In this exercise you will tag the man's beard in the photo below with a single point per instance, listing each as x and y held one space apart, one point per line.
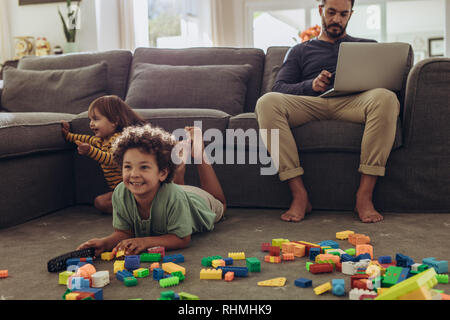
330 34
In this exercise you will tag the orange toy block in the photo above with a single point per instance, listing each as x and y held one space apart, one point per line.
299 250
272 259
364 248
288 257
229 276
3 274
86 271
287 247
154 265
358 238
326 257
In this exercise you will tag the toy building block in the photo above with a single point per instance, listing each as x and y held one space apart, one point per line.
122 274
324 248
96 292
348 268
167 295
359 281
442 278
392 276
238 271
3 274
403 261
169 282
158 273
385 259
217 263
307 265
274 251
356 293
308 246
265 247
187 296
279 242
336 252
275 282
175 258
329 243
272 259
119 265
357 238
364 248
320 268
170 267
313 253
207 261
323 288
154 265
288 257
58 263
338 286
229 276
63 277
100 279
422 293
150 257
439 266
178 274
343 235
303 282
328 258
236 255
141 273
211 274
159 249
350 251
86 271
228 261
107 256
130 281
426 278
287 247
253 264
373 270
78 283
132 262
120 254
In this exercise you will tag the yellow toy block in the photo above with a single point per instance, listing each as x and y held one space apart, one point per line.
63 276
323 288
119 265
422 293
170 267
107 256
211 274
424 279
343 235
275 282
218 262
278 242
72 296
236 255
120 254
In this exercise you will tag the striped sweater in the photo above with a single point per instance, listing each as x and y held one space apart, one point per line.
100 151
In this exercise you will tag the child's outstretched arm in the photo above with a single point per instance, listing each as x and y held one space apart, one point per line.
137 245
106 243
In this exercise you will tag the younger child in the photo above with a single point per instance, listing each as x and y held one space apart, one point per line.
108 115
148 208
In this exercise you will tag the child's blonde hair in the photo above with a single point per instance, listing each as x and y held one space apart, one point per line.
148 139
116 111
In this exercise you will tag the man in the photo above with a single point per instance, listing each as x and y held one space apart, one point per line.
306 74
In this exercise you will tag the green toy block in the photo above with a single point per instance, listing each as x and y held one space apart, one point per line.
324 249
423 267
391 276
150 257
66 293
253 264
169 282
187 296
168 295
442 278
424 279
130 281
178 274
308 264
351 251
206 261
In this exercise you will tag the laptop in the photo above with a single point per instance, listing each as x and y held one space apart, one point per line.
363 66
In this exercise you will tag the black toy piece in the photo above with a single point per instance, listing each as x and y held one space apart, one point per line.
59 263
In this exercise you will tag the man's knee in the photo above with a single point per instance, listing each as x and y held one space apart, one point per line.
267 106
385 104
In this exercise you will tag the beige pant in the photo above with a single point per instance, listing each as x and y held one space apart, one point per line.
215 205
377 108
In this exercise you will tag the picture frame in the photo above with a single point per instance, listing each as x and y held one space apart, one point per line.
436 47
28 2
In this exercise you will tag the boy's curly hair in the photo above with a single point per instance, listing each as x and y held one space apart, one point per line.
148 139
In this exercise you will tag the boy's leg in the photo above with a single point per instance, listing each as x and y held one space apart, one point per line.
103 202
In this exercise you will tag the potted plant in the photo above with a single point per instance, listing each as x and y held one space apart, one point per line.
70 26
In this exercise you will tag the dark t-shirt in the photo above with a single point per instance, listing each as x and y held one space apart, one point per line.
305 61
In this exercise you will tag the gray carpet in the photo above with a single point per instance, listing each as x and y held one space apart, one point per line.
27 248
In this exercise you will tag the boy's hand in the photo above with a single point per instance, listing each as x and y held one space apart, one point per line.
83 148
131 246
98 244
65 128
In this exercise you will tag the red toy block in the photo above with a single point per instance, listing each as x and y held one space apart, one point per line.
274 251
338 267
3 274
272 259
358 238
320 268
229 276
359 281
160 250
288 256
265 247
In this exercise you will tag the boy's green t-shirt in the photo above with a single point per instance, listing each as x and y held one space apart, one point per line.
173 211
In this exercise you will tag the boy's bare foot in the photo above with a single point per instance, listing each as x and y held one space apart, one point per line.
198 147
366 211
300 205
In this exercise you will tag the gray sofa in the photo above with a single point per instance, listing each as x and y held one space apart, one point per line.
41 173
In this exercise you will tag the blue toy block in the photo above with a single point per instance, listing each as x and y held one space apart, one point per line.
384 259
238 271
403 261
132 262
403 274
363 256
303 282
76 261
122 274
338 287
346 257
329 243
79 283
313 253
175 258
158 274
98 292
439 266
228 261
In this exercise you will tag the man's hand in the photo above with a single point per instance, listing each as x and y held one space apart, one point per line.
65 128
83 148
321 82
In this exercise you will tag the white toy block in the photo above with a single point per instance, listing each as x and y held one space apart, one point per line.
355 293
348 267
415 267
100 279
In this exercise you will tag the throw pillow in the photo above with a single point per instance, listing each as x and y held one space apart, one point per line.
66 91
221 87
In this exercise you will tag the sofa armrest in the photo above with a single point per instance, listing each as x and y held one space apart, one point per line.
1 89
426 116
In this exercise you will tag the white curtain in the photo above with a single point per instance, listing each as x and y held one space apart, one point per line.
133 24
227 25
5 36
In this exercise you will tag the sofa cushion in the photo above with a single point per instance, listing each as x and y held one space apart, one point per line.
209 56
221 87
118 62
320 136
29 133
68 91
273 61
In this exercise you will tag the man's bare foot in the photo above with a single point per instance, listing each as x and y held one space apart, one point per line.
366 211
299 207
